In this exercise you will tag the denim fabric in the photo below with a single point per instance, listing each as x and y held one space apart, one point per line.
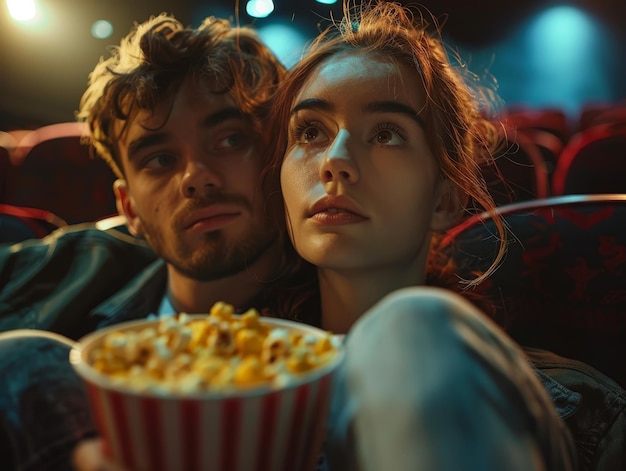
598 422
430 383
43 405
43 410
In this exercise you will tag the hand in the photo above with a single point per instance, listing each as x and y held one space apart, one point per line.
88 456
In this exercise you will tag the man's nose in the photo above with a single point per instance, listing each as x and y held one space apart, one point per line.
199 179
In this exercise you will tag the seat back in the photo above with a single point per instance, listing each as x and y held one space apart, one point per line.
55 171
562 284
593 162
19 223
5 170
553 120
518 171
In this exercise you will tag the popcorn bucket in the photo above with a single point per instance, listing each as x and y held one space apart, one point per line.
264 428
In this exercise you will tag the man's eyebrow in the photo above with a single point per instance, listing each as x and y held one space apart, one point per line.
394 107
214 119
211 120
145 141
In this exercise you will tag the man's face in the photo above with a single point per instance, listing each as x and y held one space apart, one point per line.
192 185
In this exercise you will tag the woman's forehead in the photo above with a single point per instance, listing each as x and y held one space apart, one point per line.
363 74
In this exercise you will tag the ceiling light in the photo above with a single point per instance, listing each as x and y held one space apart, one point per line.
259 8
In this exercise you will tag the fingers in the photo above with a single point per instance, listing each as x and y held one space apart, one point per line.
88 456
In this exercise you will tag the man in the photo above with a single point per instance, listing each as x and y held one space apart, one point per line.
176 112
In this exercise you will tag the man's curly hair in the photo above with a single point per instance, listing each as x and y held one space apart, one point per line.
154 59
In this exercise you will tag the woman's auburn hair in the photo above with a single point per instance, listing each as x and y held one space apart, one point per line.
456 124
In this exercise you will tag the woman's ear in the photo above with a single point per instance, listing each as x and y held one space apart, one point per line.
126 206
448 206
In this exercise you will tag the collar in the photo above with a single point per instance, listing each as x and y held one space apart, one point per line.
565 400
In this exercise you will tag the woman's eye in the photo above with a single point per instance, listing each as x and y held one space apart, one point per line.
160 161
310 134
389 135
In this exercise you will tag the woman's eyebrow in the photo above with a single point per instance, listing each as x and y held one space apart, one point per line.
312 104
393 107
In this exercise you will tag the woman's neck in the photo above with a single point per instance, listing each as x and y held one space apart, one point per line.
345 296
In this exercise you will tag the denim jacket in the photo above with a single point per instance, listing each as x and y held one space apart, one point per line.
592 405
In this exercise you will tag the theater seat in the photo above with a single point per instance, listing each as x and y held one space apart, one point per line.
19 223
518 171
55 171
5 172
593 161
562 284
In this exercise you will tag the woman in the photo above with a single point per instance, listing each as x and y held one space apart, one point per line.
379 144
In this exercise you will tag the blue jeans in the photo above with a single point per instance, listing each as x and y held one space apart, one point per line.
429 383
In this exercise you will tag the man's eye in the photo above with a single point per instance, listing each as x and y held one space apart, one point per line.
232 140
160 161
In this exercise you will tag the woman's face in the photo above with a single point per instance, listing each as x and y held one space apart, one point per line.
361 186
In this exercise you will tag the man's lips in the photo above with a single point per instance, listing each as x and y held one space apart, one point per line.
211 217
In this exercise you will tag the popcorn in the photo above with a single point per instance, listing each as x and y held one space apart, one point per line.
222 351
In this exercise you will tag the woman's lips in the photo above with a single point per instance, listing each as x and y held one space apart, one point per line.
336 210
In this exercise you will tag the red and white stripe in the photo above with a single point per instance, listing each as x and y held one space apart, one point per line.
278 431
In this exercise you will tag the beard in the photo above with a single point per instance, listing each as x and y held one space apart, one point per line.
219 255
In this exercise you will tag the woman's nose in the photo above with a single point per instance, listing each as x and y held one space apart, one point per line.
199 180
338 163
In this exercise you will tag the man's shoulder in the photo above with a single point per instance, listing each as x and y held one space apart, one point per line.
54 283
73 239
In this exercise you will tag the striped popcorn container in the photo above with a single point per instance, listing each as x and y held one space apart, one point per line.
267 428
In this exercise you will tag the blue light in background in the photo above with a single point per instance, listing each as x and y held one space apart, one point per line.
562 57
569 53
259 8
101 29
284 40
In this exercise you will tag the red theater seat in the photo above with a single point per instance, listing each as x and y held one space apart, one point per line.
19 223
518 171
55 171
593 161
562 284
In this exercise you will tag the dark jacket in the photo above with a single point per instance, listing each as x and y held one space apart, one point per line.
82 278
76 279
592 405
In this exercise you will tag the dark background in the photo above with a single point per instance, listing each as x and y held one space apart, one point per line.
44 72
